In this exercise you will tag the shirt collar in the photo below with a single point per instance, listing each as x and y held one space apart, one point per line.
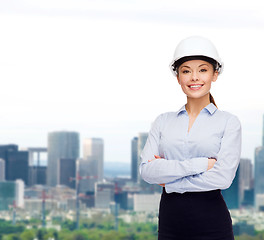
181 110
211 108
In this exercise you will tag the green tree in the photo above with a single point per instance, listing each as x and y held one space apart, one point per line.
41 233
55 235
78 236
48 235
13 237
69 225
27 235
6 227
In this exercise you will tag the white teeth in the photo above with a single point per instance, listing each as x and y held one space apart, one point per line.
195 86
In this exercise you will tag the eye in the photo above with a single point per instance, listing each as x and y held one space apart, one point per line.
203 70
185 71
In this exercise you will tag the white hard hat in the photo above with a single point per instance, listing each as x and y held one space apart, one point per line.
196 47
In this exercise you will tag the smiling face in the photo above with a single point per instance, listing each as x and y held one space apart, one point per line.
196 77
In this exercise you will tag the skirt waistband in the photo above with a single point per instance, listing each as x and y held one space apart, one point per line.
211 193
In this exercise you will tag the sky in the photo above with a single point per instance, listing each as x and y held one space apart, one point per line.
101 68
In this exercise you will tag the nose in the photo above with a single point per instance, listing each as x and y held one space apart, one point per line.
194 76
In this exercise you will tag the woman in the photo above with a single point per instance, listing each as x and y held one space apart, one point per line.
194 152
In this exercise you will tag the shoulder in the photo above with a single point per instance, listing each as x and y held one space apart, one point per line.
227 115
166 115
163 118
230 119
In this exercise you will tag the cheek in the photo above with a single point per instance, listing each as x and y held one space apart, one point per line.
184 88
182 81
208 79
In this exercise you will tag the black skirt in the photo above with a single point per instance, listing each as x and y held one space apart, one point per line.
194 216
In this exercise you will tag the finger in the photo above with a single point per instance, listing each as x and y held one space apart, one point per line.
156 156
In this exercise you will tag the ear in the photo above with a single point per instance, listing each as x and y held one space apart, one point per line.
178 78
215 76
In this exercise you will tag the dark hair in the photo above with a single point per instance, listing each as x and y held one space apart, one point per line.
212 99
176 64
180 61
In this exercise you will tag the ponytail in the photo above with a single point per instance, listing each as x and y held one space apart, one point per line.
212 99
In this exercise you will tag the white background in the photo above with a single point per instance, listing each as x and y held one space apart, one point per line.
101 67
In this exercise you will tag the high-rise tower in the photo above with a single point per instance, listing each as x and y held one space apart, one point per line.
2 170
142 139
16 163
62 144
259 170
259 167
87 170
263 132
93 148
134 159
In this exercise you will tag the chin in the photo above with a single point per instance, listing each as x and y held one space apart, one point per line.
197 96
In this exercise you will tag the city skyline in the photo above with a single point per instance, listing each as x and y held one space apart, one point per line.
247 154
245 192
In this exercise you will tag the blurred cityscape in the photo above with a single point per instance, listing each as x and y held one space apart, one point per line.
54 185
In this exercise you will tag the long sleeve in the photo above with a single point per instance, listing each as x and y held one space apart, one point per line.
224 170
163 170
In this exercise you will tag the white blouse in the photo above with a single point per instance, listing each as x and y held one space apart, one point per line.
184 155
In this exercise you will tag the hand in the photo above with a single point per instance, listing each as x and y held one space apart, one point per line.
156 157
211 163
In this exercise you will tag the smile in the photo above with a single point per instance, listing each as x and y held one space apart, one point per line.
195 87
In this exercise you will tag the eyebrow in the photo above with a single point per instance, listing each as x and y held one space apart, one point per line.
190 67
203 64
185 66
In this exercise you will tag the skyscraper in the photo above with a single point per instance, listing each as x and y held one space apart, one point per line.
62 144
4 151
37 156
37 175
11 192
87 169
259 167
263 132
245 177
8 194
2 170
93 148
104 194
246 173
259 170
37 165
142 139
17 166
134 159
16 162
67 170
232 194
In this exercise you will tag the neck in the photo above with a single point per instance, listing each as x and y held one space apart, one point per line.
195 105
